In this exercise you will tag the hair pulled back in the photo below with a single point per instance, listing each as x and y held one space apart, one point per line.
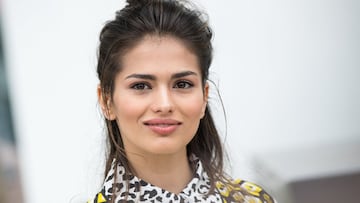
140 18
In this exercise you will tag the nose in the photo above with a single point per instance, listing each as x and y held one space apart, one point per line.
162 102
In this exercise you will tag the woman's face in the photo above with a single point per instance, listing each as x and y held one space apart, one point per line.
158 98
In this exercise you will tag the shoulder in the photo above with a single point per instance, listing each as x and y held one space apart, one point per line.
243 191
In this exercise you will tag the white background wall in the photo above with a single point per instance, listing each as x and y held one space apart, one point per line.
288 72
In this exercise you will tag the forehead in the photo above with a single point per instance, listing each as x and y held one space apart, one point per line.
159 53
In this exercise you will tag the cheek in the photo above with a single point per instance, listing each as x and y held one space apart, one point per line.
194 108
128 109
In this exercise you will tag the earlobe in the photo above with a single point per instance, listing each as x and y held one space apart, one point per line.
105 104
206 96
203 111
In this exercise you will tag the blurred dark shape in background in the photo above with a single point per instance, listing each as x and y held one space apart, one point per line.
328 173
10 187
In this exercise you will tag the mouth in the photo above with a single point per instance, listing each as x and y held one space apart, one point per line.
162 126
162 122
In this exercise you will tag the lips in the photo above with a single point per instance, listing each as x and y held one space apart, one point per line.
162 126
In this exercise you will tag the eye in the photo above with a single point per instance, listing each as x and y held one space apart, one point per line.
140 86
183 85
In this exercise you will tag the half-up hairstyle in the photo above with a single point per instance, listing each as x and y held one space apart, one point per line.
141 18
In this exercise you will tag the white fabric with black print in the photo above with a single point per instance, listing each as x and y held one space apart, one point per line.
141 191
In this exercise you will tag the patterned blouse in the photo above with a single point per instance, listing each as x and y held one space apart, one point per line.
196 191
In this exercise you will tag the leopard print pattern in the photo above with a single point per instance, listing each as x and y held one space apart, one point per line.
196 191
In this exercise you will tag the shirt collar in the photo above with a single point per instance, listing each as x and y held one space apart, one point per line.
198 187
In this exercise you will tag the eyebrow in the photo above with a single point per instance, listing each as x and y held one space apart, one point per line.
182 74
153 77
141 76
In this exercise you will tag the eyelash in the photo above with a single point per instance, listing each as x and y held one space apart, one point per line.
141 86
184 82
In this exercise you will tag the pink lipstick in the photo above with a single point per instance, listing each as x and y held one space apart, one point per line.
162 126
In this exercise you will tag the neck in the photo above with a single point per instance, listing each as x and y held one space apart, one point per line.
171 172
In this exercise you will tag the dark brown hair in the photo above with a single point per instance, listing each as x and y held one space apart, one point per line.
141 18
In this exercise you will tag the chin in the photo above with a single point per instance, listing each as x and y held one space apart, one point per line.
166 149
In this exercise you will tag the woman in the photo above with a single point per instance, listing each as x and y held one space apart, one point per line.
153 66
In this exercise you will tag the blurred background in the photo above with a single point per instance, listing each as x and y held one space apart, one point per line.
288 72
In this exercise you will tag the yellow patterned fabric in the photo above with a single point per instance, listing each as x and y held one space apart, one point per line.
243 191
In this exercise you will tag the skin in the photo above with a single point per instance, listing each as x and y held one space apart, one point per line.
160 80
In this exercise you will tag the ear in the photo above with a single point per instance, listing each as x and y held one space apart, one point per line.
105 104
206 96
